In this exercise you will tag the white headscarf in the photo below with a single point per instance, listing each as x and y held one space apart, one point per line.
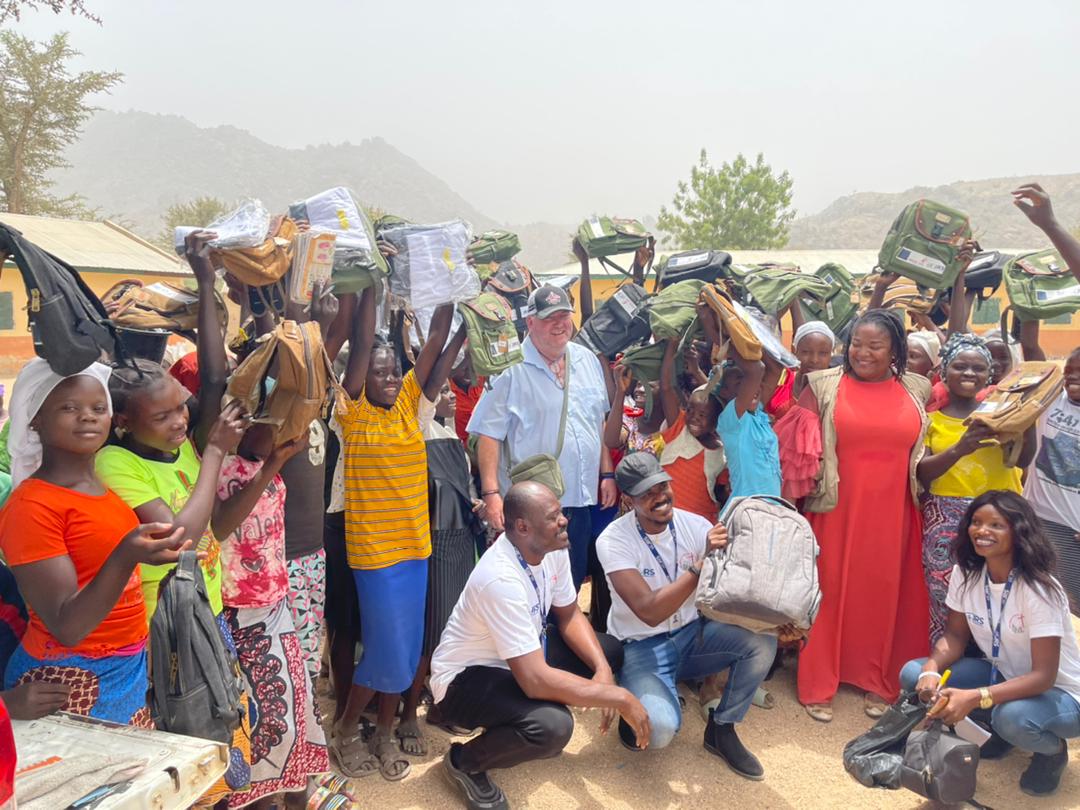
813 328
33 385
930 343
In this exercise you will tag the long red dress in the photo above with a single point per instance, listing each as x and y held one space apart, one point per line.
874 606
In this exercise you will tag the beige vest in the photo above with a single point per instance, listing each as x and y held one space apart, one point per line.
825 385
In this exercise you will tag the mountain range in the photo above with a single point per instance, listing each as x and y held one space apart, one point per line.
133 165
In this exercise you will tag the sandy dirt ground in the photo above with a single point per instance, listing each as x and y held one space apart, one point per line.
802 760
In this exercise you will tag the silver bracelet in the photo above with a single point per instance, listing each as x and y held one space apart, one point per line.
924 674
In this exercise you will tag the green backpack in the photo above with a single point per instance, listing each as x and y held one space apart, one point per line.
494 246
493 339
645 364
837 308
606 236
772 289
1040 285
672 313
924 242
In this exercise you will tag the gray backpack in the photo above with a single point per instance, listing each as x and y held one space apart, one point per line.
195 681
766 576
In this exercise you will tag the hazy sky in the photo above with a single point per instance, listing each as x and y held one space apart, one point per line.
552 110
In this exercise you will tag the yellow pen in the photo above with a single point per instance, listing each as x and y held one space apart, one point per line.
944 679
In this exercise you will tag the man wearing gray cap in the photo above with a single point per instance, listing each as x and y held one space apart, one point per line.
522 416
652 558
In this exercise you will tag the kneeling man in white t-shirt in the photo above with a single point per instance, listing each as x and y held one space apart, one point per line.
652 558
500 666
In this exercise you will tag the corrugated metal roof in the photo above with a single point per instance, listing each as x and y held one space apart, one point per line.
96 246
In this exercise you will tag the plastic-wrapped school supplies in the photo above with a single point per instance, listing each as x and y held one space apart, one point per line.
357 261
430 267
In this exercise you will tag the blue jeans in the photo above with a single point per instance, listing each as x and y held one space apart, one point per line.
579 530
1037 724
652 666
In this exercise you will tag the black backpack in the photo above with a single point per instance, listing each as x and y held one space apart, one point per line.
195 682
984 275
68 322
702 265
620 322
514 283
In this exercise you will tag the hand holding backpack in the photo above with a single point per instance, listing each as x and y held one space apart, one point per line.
766 576
195 683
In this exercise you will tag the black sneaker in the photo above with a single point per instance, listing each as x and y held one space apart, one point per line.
1043 775
479 791
721 739
627 737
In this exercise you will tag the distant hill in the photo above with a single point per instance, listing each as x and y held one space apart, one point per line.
861 220
134 165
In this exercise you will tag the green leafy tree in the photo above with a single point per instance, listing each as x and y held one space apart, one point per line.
737 206
43 107
199 212
12 9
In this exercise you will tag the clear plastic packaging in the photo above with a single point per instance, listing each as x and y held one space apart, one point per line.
431 267
245 227
356 260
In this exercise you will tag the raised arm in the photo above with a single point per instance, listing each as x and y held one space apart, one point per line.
210 342
1029 341
361 343
881 286
613 425
585 293
669 396
435 348
958 311
1035 203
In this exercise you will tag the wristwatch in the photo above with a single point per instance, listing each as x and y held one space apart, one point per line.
986 700
695 569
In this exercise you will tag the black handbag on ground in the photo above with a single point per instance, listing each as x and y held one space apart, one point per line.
875 757
940 765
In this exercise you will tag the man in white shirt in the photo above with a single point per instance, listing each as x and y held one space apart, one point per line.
652 558
498 666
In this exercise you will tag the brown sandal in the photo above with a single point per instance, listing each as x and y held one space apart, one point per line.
349 756
385 748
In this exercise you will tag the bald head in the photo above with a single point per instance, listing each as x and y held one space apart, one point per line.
534 520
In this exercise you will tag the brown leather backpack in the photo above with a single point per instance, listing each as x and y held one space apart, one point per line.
263 264
159 305
1018 402
303 378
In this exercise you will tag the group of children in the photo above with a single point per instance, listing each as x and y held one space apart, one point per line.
365 529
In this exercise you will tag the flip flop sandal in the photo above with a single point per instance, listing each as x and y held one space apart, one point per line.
763 699
874 706
411 731
386 750
822 712
350 757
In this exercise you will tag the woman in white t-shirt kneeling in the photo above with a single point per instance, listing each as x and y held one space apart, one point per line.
1003 593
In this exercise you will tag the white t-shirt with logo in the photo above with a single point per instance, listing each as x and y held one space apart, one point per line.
620 548
1053 484
1029 614
498 616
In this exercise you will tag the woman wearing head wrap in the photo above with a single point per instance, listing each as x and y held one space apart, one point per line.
924 353
813 344
960 464
74 548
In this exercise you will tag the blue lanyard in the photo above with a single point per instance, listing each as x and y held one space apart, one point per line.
656 554
995 643
539 601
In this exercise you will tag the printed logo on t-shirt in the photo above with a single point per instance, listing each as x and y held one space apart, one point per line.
1016 624
975 618
1059 456
648 572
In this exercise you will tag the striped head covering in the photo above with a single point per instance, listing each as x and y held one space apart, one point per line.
963 342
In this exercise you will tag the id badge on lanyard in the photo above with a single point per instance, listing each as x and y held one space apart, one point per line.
539 602
995 628
675 620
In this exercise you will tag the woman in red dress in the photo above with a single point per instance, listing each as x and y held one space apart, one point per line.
864 512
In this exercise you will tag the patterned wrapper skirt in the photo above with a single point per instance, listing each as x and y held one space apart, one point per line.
111 688
287 743
941 516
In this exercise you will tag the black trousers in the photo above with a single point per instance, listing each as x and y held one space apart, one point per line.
516 728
